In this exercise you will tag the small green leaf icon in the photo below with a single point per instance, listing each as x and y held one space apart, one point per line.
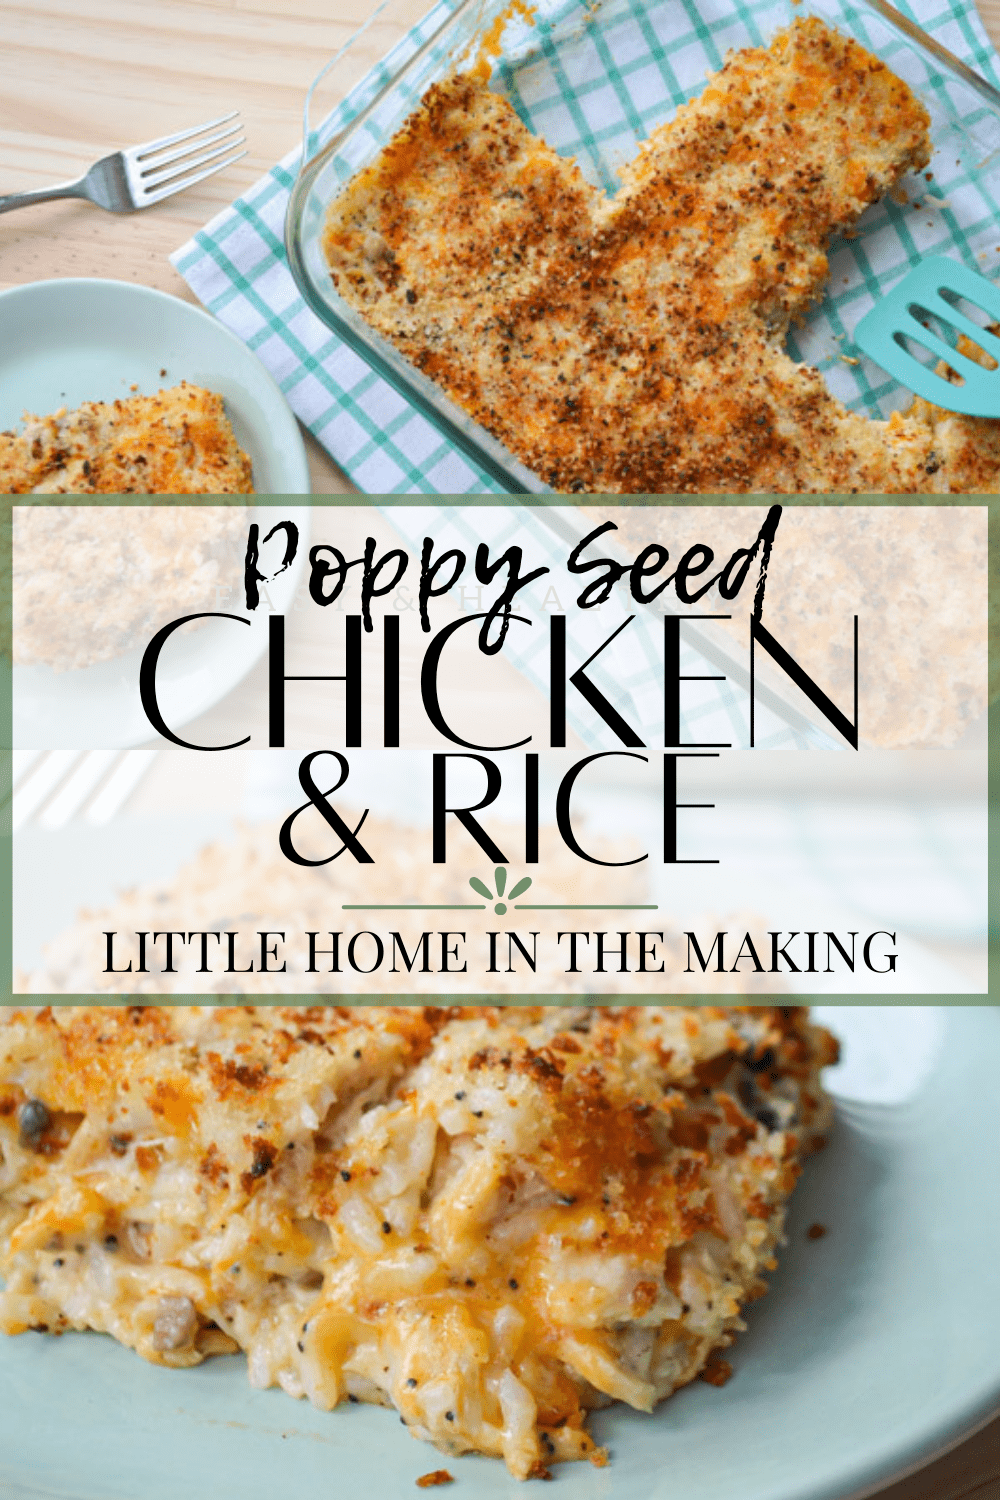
501 879
520 888
480 889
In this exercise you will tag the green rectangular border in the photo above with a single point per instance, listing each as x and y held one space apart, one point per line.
6 723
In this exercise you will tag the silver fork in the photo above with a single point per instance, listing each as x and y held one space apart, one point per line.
133 179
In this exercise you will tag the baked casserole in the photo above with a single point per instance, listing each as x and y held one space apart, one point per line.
635 344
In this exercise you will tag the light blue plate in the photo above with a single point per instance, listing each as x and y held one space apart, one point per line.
82 339
876 1347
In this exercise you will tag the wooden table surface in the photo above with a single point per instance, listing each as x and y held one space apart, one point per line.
80 78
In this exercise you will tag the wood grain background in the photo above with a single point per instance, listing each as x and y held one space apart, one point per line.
80 78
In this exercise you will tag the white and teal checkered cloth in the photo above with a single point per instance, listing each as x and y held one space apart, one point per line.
595 101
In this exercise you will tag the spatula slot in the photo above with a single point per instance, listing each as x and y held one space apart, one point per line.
928 357
971 310
981 316
935 324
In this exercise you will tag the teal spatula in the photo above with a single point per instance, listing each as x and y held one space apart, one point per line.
932 288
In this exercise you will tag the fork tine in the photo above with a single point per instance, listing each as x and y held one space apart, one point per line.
156 167
181 183
136 153
182 168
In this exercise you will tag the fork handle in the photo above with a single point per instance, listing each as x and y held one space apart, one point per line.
11 201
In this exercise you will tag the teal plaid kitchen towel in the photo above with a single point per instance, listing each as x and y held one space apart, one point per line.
595 99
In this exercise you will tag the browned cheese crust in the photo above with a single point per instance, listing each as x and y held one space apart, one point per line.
635 344
178 442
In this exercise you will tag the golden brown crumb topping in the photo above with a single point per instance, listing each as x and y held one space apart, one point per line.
178 442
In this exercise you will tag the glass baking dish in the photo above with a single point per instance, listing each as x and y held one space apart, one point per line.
594 78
